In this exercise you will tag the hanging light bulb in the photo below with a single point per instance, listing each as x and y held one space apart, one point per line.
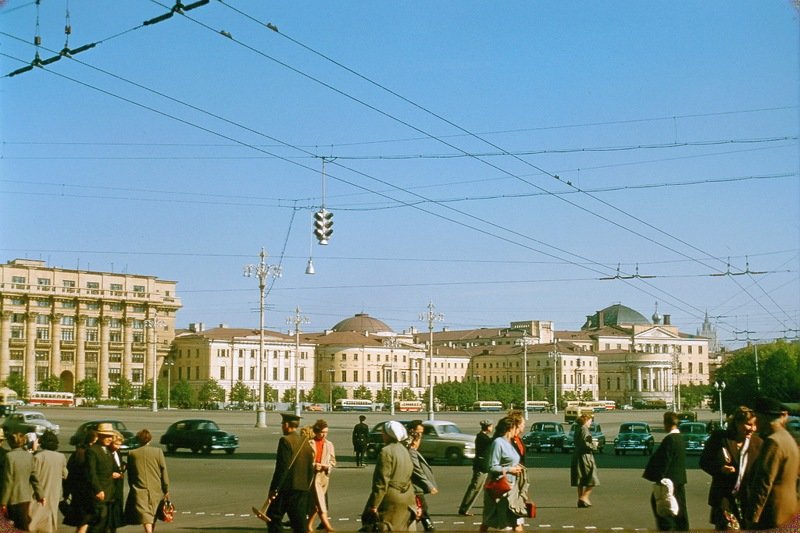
310 267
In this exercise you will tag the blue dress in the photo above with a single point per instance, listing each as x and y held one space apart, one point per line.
496 514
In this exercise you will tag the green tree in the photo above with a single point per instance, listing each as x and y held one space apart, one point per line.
384 396
361 393
406 394
210 393
51 384
183 395
340 392
317 395
270 393
17 383
122 391
146 392
693 396
88 388
288 396
241 393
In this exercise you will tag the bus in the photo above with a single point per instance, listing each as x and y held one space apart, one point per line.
408 406
66 399
343 404
609 404
537 406
572 412
487 406
8 401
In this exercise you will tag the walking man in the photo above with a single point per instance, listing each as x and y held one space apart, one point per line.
669 463
482 441
360 439
291 482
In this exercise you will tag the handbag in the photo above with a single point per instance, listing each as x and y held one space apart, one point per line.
165 510
497 487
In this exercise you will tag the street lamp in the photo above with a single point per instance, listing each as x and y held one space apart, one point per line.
555 355
475 377
431 316
297 319
261 271
390 368
525 375
391 343
331 371
719 386
168 362
153 324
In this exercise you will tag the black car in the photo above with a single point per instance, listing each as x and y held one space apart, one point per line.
545 436
129 441
375 438
198 435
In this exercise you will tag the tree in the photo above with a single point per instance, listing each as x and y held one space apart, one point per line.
270 393
146 392
361 393
210 393
183 395
122 391
340 392
693 396
384 396
406 394
288 396
241 393
88 388
17 383
51 384
316 395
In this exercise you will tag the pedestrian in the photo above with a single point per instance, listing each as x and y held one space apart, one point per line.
728 457
291 481
116 517
772 494
51 470
669 462
360 439
422 476
77 489
324 462
482 441
503 461
583 470
20 483
518 419
148 482
391 505
100 466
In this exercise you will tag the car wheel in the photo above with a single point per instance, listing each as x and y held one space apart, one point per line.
207 449
195 449
453 456
230 451
171 448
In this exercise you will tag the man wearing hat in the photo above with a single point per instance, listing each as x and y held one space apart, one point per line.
772 496
100 466
291 482
360 439
482 441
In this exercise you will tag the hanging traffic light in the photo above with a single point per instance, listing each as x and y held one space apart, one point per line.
323 225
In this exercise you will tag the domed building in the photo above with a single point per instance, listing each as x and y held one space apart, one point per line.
615 315
363 323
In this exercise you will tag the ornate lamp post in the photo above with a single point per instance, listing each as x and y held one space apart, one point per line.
475 377
297 319
169 362
391 343
555 354
153 324
719 386
261 271
431 316
331 371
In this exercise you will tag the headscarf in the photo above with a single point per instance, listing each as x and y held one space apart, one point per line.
395 430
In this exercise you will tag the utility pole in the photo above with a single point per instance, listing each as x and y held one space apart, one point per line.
431 316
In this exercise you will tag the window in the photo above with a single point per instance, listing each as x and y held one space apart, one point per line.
17 355
117 307
43 334
42 303
689 350
222 372
344 375
700 367
355 375
91 357
690 367
114 375
274 374
286 374
68 335
93 286
69 285
42 355
138 289
18 281
42 320
252 373
137 375
44 283
116 289
137 357
68 357
115 357
241 373
93 306
68 304
700 350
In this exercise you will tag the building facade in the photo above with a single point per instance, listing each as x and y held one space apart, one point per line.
77 324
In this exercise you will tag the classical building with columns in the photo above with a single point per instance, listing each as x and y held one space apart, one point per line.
78 324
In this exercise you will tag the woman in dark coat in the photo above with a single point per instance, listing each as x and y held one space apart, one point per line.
77 489
728 457
583 470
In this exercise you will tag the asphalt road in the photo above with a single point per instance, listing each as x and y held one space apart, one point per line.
215 492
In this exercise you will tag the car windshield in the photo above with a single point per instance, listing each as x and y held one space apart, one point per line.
692 428
35 416
208 426
120 426
633 428
448 428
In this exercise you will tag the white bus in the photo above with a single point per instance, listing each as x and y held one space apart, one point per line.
8 401
408 406
491 405
344 404
66 399
537 406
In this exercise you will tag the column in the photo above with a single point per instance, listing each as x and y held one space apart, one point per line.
650 379
30 352
5 340
55 339
127 353
80 349
102 362
639 379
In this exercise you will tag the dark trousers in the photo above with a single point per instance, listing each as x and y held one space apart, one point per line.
360 456
673 523
295 504
473 489
20 514
101 515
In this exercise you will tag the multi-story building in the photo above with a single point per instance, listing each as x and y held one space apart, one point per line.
77 324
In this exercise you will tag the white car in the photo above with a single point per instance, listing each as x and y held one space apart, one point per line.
27 422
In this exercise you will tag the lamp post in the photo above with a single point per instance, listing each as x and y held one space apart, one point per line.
554 355
168 362
331 371
719 386
475 377
261 271
297 319
431 316
525 375
391 343
153 324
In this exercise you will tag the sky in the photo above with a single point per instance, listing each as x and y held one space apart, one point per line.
501 161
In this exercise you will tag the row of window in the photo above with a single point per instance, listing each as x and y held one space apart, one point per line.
226 352
20 282
661 348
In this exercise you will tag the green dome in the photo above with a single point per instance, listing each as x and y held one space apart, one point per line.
615 315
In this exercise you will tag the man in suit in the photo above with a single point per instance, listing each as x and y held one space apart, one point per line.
669 462
360 439
100 466
482 441
291 482
772 496
20 483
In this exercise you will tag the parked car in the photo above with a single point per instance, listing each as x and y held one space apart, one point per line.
198 435
27 422
634 436
314 407
793 425
441 441
694 436
545 436
687 416
129 439
598 438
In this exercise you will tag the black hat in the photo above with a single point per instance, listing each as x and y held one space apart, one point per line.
362 418
769 406
486 423
289 417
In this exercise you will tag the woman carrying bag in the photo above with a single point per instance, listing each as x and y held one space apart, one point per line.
503 464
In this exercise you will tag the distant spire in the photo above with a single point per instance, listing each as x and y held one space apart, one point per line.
656 317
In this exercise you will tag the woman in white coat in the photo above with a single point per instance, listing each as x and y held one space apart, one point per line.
324 461
51 469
